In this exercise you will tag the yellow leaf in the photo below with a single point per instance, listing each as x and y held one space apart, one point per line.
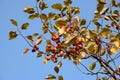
45 61
12 35
39 40
25 50
61 30
117 43
24 26
92 66
114 50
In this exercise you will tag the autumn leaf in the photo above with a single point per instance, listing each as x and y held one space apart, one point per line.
25 50
92 65
14 22
12 35
24 26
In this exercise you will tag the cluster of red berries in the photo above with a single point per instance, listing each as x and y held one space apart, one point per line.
68 29
35 48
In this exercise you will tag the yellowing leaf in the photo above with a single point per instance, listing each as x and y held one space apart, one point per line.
81 55
14 22
83 22
30 38
51 15
92 66
24 26
59 64
77 61
102 1
114 50
12 35
104 33
29 10
39 54
104 10
116 43
77 10
102 51
45 61
57 6
61 30
70 37
43 16
25 50
33 16
50 77
42 5
39 40
60 77
56 69
60 22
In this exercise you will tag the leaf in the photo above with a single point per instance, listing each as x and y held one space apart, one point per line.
33 16
92 33
29 10
25 50
24 26
12 35
60 22
107 18
50 76
57 6
83 22
114 50
76 11
70 37
43 5
39 54
14 22
45 61
39 40
43 16
92 66
77 61
104 33
102 1
51 15
56 69
103 11
60 77
102 51
30 38
116 43
59 65
35 34
61 29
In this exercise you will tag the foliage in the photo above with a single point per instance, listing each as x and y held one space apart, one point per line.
74 39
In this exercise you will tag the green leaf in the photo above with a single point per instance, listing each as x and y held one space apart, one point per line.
39 54
51 15
43 5
56 69
33 16
39 40
83 22
92 66
102 51
43 16
14 22
24 26
29 37
29 10
12 35
57 6
104 33
50 76
60 77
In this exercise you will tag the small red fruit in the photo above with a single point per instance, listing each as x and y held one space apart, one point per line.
49 45
61 53
36 47
33 50
53 38
80 46
48 58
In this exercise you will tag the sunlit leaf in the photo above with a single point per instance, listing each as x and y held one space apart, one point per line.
102 51
24 26
100 7
60 77
43 5
104 33
29 37
76 11
83 22
60 22
92 65
33 16
25 50
56 69
59 64
51 15
116 43
102 1
29 10
14 22
12 35
70 37
92 33
50 76
45 29
107 18
39 54
35 34
45 61
39 40
57 6
43 16
103 11
76 62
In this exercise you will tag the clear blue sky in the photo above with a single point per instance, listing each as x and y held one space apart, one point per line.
15 66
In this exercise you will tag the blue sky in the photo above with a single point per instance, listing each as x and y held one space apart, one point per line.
15 66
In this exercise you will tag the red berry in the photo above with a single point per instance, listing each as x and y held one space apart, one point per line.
53 38
48 58
61 53
49 45
80 46
33 50
36 47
